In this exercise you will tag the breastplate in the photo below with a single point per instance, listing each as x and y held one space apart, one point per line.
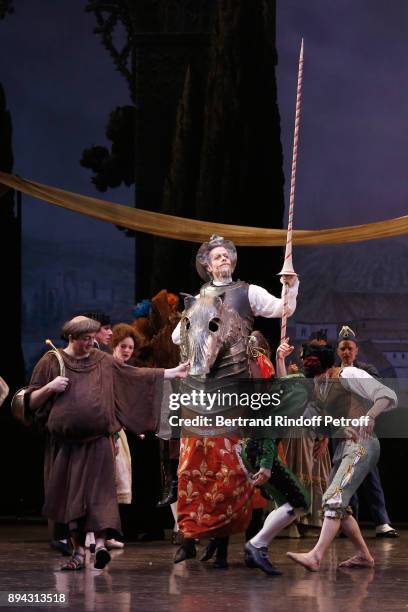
233 360
236 296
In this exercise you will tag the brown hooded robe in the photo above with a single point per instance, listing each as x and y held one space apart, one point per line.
102 397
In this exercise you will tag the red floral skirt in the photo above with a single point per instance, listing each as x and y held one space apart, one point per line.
214 492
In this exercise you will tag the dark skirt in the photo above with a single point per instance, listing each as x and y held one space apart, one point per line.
80 487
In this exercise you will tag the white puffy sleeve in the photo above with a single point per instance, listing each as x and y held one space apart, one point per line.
264 304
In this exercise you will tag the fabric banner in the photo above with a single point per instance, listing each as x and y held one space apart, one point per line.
192 230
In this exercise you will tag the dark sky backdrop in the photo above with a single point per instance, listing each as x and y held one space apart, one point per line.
352 165
61 84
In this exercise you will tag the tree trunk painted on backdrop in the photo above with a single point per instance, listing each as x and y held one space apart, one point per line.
226 162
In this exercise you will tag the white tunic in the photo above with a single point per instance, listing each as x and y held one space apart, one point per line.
366 386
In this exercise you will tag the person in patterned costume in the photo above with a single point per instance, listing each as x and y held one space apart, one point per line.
345 392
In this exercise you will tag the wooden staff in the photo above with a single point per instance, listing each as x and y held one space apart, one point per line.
55 351
288 263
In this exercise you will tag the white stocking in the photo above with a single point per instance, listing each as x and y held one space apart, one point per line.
274 523
173 507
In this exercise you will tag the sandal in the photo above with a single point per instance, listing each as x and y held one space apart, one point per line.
76 562
102 557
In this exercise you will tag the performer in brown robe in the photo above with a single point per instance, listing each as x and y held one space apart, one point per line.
80 411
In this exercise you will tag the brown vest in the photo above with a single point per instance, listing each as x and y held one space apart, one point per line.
338 401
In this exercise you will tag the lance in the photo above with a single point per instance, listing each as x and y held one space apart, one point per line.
288 263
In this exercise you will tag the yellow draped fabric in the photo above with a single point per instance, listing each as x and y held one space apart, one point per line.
178 228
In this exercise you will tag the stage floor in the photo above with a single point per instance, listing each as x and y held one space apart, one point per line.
142 577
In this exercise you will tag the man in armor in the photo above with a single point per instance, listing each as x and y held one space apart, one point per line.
207 503
215 263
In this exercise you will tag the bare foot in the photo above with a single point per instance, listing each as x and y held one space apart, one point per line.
358 561
308 560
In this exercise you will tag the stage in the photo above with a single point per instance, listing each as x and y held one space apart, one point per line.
142 577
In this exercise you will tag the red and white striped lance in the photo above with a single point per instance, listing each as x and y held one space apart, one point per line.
288 263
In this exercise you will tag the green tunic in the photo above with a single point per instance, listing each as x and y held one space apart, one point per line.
283 486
